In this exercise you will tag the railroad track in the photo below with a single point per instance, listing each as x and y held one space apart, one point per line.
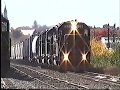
104 77
107 79
54 83
36 79
86 80
90 81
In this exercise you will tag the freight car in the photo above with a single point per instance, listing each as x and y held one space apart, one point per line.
66 46
5 44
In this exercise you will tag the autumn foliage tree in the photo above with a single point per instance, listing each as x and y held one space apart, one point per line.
102 56
98 48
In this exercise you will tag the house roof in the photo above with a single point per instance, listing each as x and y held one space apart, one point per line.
28 32
24 28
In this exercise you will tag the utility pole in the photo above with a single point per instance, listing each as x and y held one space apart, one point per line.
114 34
94 31
108 37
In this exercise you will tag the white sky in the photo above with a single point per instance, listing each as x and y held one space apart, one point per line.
52 12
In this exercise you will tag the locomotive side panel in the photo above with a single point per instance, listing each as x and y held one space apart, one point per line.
51 46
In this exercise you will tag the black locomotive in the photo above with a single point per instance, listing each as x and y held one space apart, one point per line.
5 46
66 46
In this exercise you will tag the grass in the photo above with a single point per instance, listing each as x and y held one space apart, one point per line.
110 63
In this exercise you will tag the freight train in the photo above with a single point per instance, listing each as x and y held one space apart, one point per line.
66 46
5 46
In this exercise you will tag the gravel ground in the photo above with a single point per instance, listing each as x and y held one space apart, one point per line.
64 76
78 79
21 82
56 83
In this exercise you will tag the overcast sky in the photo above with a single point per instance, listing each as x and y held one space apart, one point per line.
52 12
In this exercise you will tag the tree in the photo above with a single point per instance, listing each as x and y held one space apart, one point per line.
99 49
11 28
35 25
16 34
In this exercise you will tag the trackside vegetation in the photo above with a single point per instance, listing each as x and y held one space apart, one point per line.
102 57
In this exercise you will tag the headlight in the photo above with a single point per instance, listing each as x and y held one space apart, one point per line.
73 25
84 56
66 56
